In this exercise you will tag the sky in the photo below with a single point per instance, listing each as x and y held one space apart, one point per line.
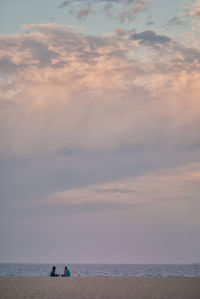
99 131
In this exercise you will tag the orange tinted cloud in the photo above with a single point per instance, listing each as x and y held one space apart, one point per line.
62 88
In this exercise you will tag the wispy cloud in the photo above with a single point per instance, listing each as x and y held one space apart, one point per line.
177 20
83 13
157 188
122 9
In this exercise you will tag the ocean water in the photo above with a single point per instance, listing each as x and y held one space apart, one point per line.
113 270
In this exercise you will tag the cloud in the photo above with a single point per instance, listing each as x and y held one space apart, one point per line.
150 23
131 10
177 20
64 4
68 90
122 9
83 13
194 9
171 184
6 65
190 55
191 13
68 2
40 51
150 37
86 131
158 188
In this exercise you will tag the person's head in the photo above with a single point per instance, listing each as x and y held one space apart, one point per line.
54 268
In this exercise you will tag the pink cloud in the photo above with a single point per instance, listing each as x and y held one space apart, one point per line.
169 187
195 9
95 92
83 13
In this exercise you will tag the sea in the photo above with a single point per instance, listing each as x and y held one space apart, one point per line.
112 270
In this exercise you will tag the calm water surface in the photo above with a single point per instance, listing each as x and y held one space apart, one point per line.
113 270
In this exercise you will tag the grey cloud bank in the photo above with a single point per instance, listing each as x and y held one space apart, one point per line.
150 37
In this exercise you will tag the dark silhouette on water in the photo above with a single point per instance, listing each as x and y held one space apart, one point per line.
53 272
66 272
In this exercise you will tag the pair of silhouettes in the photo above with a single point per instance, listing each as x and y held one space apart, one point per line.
66 272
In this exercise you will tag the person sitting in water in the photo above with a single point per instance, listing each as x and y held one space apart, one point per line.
53 272
66 272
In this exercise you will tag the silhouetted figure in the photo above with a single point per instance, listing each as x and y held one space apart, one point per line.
53 272
66 272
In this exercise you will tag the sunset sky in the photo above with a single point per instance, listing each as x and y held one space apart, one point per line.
100 131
